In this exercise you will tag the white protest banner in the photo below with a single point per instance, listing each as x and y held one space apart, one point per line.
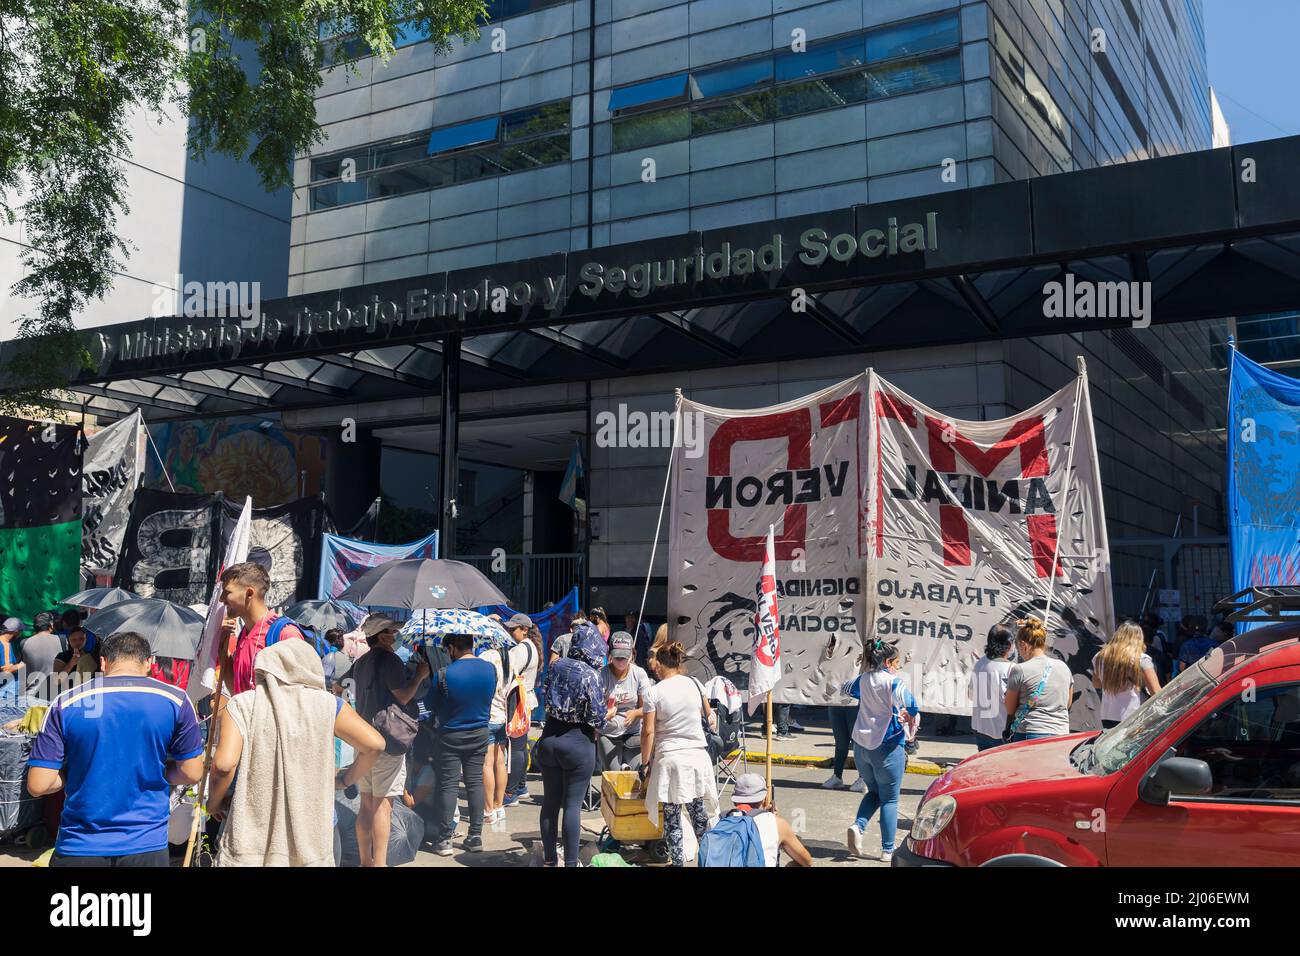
798 466
208 654
968 520
111 470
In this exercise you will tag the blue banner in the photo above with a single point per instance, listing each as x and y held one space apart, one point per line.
343 560
1263 475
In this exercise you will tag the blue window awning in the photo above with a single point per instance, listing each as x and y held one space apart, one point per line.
662 90
464 134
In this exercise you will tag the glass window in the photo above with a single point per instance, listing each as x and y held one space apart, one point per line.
909 39
731 79
820 94
666 90
741 111
1116 747
820 58
465 134
331 167
633 132
1252 746
337 194
409 33
534 153
908 76
394 154
409 179
532 122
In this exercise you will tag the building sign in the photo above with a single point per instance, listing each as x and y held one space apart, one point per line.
818 251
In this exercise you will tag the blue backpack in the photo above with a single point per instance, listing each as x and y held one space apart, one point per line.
324 650
733 841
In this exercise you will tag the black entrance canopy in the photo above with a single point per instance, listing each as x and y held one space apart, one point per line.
1216 233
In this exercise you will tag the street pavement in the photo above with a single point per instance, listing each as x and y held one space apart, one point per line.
819 816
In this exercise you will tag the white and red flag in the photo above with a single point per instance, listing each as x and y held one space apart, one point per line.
765 660
209 652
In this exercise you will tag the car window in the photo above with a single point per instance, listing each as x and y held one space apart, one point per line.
1252 744
1116 747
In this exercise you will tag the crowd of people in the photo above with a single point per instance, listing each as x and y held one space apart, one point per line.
393 726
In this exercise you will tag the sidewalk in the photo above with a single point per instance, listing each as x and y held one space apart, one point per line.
815 746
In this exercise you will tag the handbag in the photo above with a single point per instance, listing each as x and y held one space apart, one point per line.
1027 705
397 726
516 711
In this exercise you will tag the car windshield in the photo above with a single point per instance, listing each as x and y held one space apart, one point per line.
1116 747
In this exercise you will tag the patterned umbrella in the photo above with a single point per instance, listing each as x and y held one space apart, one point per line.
432 626
100 597
172 630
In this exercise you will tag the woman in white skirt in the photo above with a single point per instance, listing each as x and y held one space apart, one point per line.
674 749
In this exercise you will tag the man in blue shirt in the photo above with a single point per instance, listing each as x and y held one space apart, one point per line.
119 744
461 700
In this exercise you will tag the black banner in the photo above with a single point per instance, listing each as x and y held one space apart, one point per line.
174 544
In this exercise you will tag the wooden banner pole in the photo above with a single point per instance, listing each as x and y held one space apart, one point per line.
769 741
216 705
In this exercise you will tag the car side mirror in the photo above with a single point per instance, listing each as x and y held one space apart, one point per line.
1185 776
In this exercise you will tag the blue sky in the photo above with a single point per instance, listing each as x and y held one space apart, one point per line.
1253 48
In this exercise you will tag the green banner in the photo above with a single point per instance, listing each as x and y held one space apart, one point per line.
39 567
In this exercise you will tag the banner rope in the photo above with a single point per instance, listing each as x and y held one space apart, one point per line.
1080 385
663 503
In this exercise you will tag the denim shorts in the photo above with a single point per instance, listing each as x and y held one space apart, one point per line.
497 735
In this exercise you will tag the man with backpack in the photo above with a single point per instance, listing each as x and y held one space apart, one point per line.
753 834
386 700
243 592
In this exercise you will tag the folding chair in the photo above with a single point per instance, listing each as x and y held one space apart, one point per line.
727 746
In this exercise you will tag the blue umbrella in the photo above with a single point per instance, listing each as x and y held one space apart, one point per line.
432 626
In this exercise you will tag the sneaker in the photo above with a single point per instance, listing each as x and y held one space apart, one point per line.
510 800
833 782
886 856
853 839
797 727
782 735
444 848
859 786
499 815
472 844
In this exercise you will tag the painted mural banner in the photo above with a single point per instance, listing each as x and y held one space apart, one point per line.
343 560
40 515
1263 475
972 524
112 468
799 467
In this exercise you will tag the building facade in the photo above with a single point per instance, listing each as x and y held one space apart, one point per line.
575 125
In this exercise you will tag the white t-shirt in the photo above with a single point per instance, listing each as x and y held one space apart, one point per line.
625 691
678 706
989 712
1118 706
524 662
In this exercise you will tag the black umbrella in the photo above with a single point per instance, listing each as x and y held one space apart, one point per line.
172 630
423 583
100 597
323 615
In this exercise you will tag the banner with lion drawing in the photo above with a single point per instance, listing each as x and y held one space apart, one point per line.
892 519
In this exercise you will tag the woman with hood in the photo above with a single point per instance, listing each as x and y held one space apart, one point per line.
277 746
575 712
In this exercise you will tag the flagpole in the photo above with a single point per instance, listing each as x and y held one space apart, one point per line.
769 741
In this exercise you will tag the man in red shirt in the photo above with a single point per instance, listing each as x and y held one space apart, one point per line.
243 591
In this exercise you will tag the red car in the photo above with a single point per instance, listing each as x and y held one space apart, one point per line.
1205 773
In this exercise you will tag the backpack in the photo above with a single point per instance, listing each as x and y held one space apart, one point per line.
733 841
324 649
